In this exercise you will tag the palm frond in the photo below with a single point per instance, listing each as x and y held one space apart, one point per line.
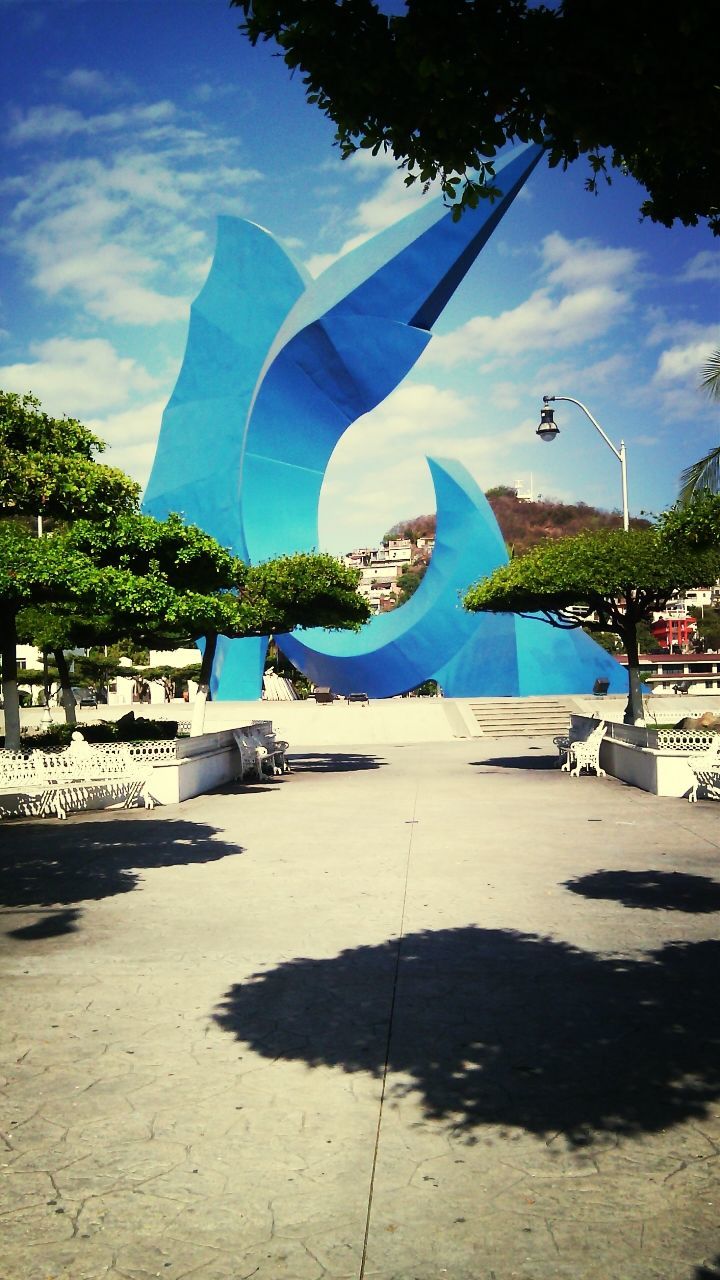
710 380
703 474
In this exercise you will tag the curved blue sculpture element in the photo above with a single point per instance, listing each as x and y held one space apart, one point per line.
433 637
406 646
276 368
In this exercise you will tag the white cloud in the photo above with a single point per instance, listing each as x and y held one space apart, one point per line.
392 201
703 266
684 361
566 375
77 376
106 278
585 289
362 164
577 264
541 323
131 436
417 409
675 382
134 304
319 262
378 473
85 81
46 123
118 232
678 332
506 395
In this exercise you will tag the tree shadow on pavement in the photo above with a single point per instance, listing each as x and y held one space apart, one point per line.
53 924
333 762
517 762
711 1272
52 864
651 890
497 1027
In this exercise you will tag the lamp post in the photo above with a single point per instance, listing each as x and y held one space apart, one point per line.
549 430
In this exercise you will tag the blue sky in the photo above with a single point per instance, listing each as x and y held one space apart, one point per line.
128 125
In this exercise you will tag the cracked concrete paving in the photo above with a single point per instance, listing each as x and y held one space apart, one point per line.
411 1012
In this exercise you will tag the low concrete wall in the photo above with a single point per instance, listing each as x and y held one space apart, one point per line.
662 772
631 754
200 764
177 770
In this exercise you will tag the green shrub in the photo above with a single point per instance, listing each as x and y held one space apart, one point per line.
132 729
126 729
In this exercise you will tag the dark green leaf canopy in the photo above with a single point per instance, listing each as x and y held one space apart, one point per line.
48 466
106 572
443 85
180 553
605 582
613 574
301 590
695 523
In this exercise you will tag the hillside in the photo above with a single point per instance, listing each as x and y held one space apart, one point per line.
524 524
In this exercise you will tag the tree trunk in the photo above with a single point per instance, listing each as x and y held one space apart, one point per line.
46 678
66 693
11 701
634 713
197 725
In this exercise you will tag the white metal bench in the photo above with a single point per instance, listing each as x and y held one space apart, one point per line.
275 747
705 768
261 753
60 782
583 753
24 788
564 741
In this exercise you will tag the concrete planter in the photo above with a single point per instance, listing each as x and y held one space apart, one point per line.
660 771
189 767
656 761
168 772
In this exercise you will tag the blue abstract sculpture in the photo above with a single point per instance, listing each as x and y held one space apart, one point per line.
277 367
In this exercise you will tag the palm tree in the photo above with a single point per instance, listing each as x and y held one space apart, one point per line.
705 473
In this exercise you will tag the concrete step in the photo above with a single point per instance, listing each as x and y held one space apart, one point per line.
521 717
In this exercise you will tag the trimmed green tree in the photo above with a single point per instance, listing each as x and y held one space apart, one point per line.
159 583
34 572
600 581
49 468
695 524
117 573
215 593
48 471
282 595
164 583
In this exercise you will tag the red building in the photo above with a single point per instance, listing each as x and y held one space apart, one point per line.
674 631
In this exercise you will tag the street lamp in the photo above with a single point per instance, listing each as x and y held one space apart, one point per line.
549 430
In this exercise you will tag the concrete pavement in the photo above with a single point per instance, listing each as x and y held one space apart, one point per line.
414 1011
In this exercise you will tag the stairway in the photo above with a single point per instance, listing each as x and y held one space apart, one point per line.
521 717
